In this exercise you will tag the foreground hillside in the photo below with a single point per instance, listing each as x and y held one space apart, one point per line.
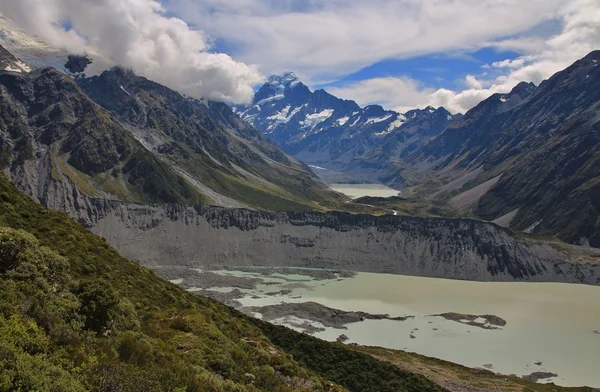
75 316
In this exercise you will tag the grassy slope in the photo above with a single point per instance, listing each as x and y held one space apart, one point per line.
460 377
77 316
211 143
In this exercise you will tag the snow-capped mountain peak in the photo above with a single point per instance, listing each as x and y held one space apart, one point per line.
283 81
317 126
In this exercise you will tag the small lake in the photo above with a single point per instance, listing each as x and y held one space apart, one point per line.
550 327
356 191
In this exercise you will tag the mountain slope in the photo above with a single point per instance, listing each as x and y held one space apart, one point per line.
537 150
324 130
156 145
56 145
76 316
208 142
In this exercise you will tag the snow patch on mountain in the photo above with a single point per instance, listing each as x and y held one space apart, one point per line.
342 121
314 119
374 120
11 69
18 66
286 80
355 122
393 125
270 99
125 91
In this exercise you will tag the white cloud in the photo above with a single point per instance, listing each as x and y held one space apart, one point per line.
403 94
139 35
472 82
324 39
580 34
400 94
516 63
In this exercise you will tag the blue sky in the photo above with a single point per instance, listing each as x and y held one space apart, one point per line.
440 70
402 54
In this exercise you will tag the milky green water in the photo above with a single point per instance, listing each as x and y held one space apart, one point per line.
360 190
546 322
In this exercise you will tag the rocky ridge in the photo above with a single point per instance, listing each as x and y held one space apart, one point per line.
528 159
199 236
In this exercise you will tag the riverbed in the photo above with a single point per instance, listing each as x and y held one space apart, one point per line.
549 327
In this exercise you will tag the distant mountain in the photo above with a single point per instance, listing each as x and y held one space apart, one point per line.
324 130
9 63
148 144
529 159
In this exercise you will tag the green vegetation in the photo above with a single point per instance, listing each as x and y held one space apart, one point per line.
346 366
76 316
461 377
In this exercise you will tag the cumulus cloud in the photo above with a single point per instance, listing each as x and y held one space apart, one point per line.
472 82
580 34
138 34
323 39
399 94
403 94
541 58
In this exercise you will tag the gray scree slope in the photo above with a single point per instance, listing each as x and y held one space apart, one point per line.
446 248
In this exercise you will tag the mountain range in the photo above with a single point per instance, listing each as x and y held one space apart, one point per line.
527 159
331 133
138 163
124 137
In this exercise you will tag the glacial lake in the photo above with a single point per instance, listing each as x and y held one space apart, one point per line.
550 327
355 191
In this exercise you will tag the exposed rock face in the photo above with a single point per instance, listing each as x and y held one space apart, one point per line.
154 145
313 311
57 145
77 64
207 143
542 144
447 248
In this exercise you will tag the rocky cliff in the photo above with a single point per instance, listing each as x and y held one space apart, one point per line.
460 249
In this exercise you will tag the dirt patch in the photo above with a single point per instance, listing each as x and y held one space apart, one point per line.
204 280
536 376
313 311
465 201
315 274
486 321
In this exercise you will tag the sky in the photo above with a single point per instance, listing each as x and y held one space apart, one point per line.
402 54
